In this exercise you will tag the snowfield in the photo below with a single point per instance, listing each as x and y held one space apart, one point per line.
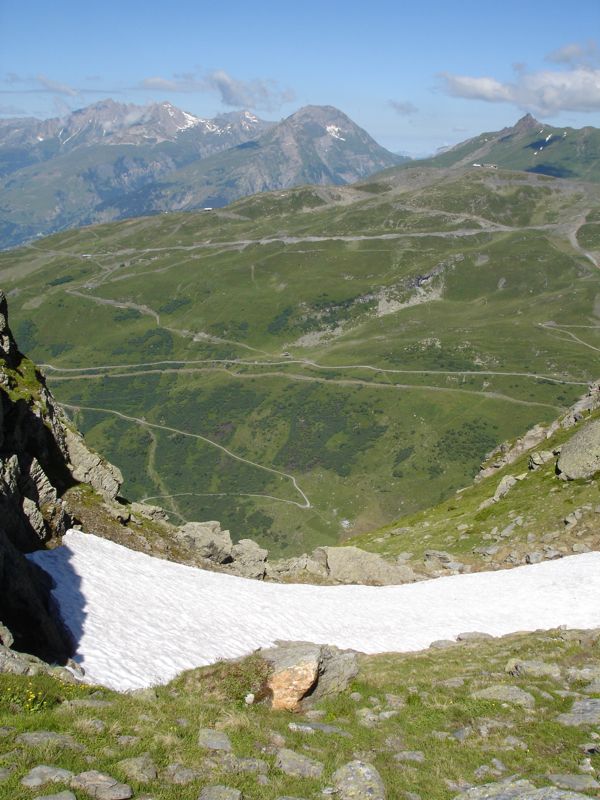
139 620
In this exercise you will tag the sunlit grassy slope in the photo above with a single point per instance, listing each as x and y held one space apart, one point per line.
314 363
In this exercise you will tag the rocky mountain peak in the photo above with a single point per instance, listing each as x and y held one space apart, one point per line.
526 123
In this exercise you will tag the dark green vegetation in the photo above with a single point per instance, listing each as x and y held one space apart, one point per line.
426 699
318 362
531 146
532 517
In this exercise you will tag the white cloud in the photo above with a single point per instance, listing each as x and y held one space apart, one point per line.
405 108
55 87
576 53
545 92
258 94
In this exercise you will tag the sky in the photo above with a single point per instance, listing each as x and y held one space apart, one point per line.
415 75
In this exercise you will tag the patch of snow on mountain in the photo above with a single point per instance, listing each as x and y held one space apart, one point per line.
190 121
139 620
335 131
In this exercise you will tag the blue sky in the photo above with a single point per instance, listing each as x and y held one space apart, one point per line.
416 75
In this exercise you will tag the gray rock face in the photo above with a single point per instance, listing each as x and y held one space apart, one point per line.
358 780
506 694
206 540
66 795
583 712
101 786
299 766
580 456
89 467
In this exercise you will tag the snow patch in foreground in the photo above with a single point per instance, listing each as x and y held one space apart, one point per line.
139 620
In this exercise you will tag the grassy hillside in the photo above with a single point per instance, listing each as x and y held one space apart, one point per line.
315 363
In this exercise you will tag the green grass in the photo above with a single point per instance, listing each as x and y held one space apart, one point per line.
299 356
165 722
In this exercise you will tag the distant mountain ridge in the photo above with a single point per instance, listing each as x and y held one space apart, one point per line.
113 160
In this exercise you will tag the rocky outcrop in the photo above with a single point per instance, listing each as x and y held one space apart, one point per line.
508 453
41 456
88 467
580 456
302 673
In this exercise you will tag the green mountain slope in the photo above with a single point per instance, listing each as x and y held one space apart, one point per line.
530 146
315 363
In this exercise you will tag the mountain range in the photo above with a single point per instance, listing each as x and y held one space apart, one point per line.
112 161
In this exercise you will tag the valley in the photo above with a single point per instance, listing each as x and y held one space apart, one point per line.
311 364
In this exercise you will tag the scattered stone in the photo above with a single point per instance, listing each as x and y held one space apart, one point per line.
44 738
101 786
535 669
298 765
506 694
461 734
5 773
210 739
140 769
43 774
66 795
580 456
358 780
316 727
583 712
219 793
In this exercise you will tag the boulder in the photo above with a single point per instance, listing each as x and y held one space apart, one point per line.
206 540
580 456
302 673
350 565
295 669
